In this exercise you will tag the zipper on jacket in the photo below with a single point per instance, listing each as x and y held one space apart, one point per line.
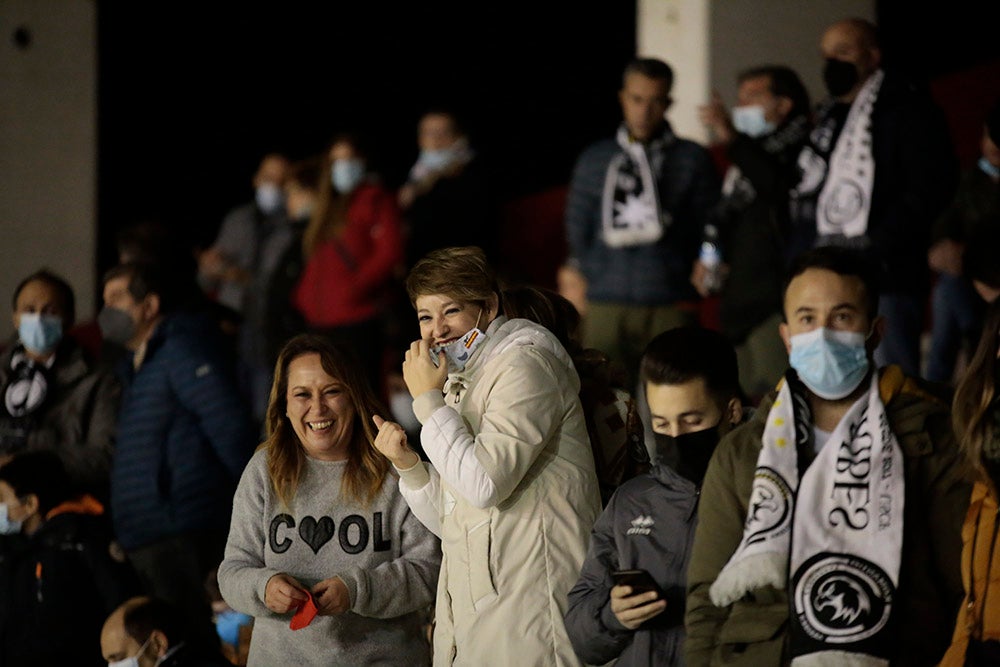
38 581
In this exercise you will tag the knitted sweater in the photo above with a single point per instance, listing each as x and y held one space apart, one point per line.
387 559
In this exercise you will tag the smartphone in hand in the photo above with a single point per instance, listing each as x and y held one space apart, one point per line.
641 581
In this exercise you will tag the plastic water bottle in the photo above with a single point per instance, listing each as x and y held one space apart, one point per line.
711 259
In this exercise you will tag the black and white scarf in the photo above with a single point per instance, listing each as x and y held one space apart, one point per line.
841 189
835 533
24 395
630 209
738 191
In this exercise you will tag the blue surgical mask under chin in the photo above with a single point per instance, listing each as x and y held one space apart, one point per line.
830 363
40 333
989 168
8 527
346 174
269 198
750 121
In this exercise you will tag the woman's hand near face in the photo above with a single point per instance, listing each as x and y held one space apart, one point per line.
331 596
391 442
420 373
284 594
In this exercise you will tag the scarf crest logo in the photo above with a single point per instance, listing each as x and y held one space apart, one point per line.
842 599
770 512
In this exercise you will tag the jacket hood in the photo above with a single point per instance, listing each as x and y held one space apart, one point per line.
503 334
672 480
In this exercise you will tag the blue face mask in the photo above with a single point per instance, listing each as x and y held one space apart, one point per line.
989 168
830 363
750 121
40 333
8 527
436 159
346 174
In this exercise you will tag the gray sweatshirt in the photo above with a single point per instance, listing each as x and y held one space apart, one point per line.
384 555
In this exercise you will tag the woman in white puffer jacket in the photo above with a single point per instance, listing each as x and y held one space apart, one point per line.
510 487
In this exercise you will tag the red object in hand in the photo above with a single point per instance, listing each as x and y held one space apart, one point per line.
304 616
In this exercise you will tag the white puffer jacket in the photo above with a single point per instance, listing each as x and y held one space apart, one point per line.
513 495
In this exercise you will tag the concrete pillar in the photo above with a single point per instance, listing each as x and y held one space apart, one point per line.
48 145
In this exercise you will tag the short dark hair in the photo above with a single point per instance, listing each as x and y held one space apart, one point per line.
145 278
783 82
687 353
61 287
153 614
651 68
40 473
843 261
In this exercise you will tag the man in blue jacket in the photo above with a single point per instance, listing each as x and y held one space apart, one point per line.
635 213
184 437
692 386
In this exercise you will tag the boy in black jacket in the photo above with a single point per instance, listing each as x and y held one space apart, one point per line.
692 387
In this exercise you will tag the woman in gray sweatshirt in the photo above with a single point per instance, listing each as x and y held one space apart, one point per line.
318 515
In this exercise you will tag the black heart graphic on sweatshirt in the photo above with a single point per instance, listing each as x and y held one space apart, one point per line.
316 533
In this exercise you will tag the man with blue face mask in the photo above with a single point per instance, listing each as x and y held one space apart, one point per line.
799 552
228 267
762 137
148 632
52 395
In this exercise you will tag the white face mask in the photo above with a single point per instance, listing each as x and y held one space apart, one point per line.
134 660
458 352
750 121
270 199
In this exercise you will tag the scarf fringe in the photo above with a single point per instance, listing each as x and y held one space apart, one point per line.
749 574
838 659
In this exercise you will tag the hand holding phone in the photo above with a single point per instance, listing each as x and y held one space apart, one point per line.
640 581
644 601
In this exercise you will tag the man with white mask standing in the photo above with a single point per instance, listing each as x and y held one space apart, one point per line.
829 524
227 268
762 136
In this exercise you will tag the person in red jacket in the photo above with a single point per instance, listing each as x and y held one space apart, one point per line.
352 246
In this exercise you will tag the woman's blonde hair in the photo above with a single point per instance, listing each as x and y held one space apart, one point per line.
366 468
461 273
975 397
330 215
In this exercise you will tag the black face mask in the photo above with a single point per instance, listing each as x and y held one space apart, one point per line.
694 450
839 76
